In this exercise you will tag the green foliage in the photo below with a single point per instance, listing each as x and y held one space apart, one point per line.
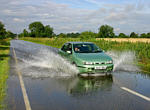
9 34
106 31
36 28
20 35
25 33
87 35
4 68
62 35
144 35
122 35
2 31
48 31
133 35
148 35
5 34
73 35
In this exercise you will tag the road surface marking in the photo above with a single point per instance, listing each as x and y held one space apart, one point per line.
135 93
26 100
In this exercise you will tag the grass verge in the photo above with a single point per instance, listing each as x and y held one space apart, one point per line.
4 67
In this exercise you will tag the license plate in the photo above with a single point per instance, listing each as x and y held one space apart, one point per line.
100 67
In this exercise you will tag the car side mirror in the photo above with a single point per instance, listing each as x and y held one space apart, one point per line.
69 51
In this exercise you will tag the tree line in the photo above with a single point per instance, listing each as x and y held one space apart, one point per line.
4 33
37 29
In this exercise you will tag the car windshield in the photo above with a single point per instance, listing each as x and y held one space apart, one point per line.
86 48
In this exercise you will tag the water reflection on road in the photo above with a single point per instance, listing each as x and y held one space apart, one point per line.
78 93
86 86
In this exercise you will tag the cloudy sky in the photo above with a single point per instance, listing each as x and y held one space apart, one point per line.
77 15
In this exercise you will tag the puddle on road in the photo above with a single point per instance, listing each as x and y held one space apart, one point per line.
77 93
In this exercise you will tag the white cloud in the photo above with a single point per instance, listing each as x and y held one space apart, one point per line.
129 8
115 17
8 11
93 1
18 20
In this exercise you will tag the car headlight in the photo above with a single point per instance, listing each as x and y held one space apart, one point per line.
88 63
109 62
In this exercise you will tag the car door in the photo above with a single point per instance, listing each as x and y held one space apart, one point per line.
69 55
64 50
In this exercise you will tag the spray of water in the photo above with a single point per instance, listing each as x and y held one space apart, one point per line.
52 64
124 61
42 61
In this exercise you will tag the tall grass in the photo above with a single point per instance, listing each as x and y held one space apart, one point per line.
4 67
141 49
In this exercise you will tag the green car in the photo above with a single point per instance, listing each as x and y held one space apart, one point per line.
87 57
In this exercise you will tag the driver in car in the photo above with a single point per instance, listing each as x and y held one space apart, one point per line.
76 49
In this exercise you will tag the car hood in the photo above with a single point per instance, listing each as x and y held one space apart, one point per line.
93 57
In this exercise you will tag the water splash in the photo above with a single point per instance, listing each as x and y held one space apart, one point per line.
42 61
51 61
124 61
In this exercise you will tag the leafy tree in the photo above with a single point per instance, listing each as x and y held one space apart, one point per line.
39 30
122 35
25 33
21 35
143 35
148 35
48 31
133 35
2 31
5 34
62 35
73 35
9 34
106 31
36 28
87 35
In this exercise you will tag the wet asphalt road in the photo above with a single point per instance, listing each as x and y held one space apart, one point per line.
75 93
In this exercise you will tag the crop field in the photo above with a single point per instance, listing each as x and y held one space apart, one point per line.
146 40
140 48
4 67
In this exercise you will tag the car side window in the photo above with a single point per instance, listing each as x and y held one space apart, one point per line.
64 48
69 47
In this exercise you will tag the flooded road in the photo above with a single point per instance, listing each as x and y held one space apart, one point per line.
52 83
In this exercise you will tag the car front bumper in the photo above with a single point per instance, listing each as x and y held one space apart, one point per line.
91 69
